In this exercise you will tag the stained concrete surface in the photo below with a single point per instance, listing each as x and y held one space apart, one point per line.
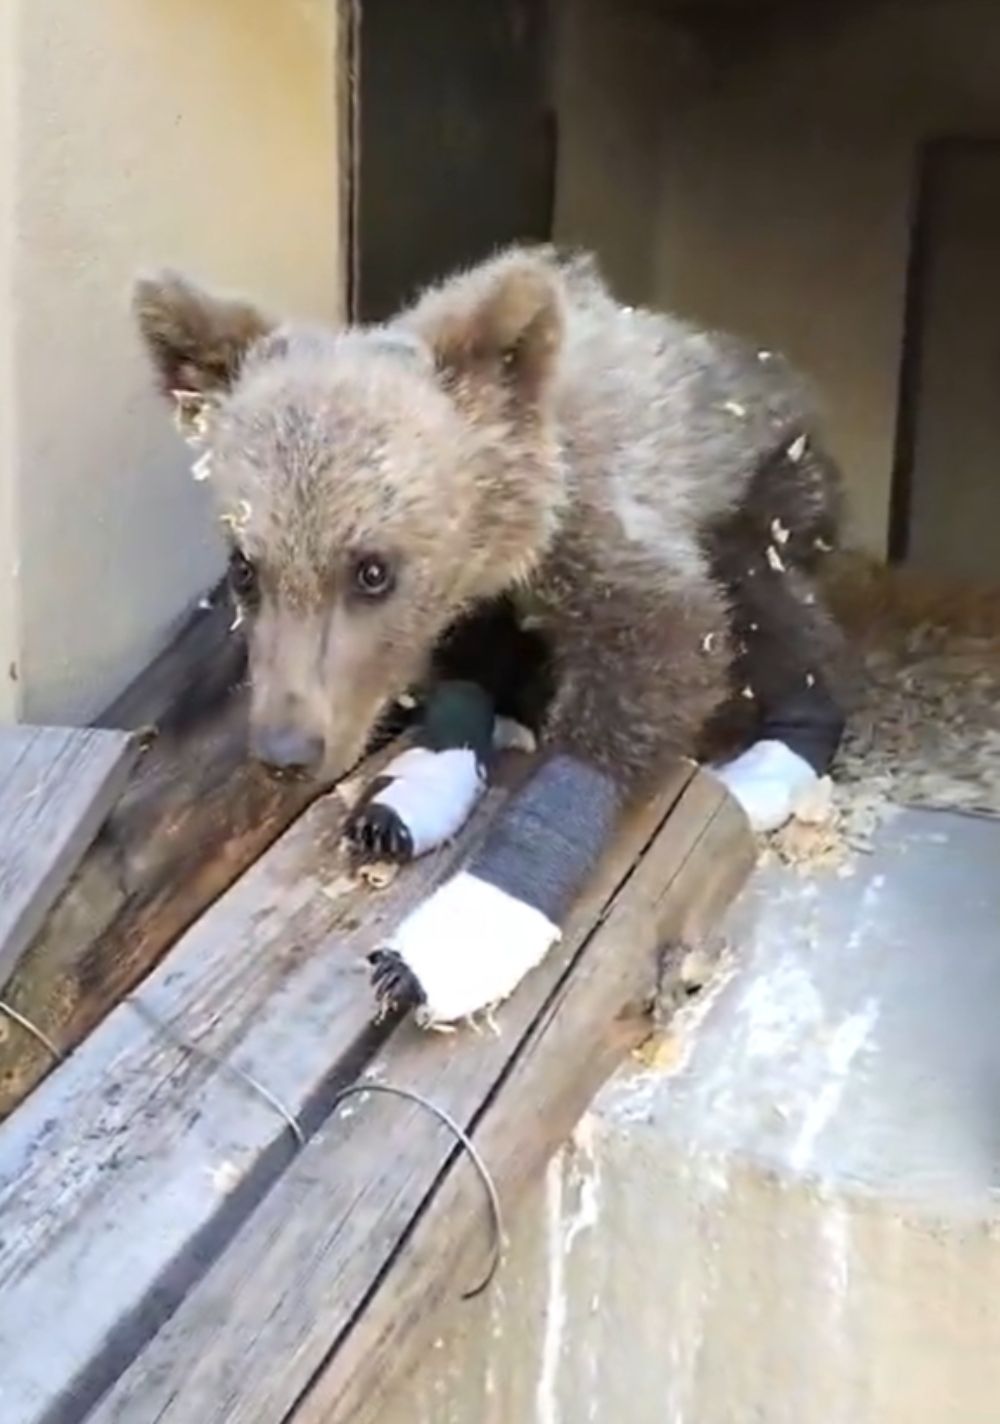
796 1221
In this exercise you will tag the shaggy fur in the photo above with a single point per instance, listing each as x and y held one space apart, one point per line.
617 472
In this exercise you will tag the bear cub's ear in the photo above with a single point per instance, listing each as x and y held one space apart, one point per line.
502 321
196 341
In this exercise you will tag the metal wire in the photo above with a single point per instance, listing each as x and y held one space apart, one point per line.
33 1029
444 1117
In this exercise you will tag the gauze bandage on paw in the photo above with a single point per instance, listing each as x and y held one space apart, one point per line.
769 781
432 793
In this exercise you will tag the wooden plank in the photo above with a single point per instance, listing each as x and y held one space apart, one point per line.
327 1290
133 1163
193 817
677 895
57 786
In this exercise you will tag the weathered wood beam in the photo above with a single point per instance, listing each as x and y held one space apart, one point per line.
133 1163
193 817
676 896
57 785
326 1293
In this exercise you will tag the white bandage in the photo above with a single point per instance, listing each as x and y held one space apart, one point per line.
769 781
432 793
469 946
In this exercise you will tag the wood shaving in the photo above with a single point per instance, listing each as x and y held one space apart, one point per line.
779 533
379 874
830 837
237 518
926 728
192 411
930 721
201 470
191 415
658 1053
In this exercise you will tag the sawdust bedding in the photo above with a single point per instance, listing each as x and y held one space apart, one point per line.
926 727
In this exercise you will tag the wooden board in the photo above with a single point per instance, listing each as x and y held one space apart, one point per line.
339 1236
57 785
134 1159
674 897
194 815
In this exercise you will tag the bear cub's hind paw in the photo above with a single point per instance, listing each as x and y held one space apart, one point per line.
397 988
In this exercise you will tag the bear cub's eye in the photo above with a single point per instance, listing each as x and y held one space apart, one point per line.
373 576
242 574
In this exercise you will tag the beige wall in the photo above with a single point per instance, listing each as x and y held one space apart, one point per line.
757 174
786 189
8 608
149 131
954 512
609 81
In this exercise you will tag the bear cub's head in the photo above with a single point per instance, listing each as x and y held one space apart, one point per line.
373 483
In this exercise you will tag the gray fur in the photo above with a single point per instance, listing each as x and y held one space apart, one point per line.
611 466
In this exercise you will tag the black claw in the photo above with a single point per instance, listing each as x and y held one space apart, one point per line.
400 841
376 832
396 986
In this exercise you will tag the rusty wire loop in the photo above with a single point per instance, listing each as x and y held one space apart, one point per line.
209 1056
32 1028
353 1090
489 1186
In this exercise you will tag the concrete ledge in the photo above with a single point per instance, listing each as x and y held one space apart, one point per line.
795 1222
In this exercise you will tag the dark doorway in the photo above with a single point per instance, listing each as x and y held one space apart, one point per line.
946 515
455 140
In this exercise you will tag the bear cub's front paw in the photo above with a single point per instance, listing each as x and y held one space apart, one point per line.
419 803
460 952
377 832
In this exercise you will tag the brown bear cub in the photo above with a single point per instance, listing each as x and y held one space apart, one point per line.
651 498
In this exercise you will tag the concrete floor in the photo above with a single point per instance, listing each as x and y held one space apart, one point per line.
796 1220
